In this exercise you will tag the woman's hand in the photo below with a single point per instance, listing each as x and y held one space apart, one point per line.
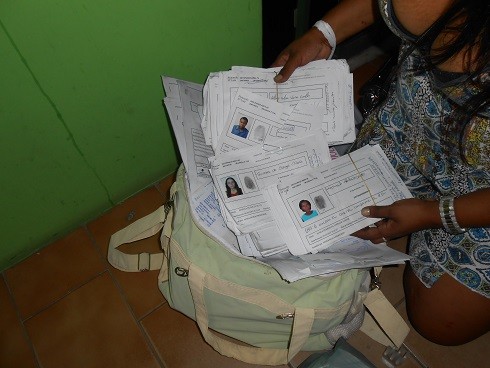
346 18
311 46
399 219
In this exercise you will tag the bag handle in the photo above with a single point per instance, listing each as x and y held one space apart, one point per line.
141 229
303 322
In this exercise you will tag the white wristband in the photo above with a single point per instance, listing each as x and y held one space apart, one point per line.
327 31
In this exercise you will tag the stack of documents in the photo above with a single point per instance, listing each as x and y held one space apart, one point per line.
263 173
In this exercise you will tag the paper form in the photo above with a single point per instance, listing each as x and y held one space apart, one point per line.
335 194
348 253
250 169
204 205
197 152
261 119
325 84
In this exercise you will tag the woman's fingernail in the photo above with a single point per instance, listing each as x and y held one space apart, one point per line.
365 211
278 78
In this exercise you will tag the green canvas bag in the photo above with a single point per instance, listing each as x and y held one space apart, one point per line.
240 297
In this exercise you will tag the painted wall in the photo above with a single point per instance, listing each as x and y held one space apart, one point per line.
82 125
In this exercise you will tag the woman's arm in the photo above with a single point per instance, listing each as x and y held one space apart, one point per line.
410 215
346 19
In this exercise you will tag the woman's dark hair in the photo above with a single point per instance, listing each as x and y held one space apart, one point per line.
228 190
468 21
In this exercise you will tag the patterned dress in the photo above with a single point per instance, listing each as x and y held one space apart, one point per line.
409 126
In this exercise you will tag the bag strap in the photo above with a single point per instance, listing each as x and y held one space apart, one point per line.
383 323
141 229
302 324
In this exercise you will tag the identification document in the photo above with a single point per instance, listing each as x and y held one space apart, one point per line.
315 209
239 176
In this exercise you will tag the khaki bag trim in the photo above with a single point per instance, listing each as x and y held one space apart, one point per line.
261 298
387 327
141 229
302 323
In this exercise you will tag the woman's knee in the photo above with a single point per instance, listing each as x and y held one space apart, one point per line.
448 313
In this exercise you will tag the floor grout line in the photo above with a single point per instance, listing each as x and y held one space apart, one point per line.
25 333
66 294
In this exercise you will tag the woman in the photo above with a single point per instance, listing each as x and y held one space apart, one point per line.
232 188
434 127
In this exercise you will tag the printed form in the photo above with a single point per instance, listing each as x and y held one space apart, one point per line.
254 120
324 84
197 151
184 105
317 208
240 175
205 207
173 105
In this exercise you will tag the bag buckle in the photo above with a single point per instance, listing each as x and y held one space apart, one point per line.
144 262
394 357
375 280
285 315
167 207
182 272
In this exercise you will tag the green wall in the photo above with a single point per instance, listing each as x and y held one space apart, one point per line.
81 117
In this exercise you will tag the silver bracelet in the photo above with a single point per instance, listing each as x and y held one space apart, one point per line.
329 34
448 216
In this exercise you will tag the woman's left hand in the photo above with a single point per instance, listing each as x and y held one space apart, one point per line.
399 219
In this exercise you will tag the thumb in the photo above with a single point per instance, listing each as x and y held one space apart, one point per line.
293 62
375 211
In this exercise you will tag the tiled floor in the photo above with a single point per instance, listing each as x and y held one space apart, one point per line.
66 307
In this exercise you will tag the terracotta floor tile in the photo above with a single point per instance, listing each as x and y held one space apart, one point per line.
175 335
15 350
52 272
164 185
124 214
91 327
140 288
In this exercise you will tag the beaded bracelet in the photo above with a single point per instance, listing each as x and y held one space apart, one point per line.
448 216
329 34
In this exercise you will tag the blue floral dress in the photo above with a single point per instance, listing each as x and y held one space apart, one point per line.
409 126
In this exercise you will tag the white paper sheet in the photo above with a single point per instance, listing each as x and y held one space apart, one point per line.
197 152
264 118
325 84
348 253
336 193
256 167
204 205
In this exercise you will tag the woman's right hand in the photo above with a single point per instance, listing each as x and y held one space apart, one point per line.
311 46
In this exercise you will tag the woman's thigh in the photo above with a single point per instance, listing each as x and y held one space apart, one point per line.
448 313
